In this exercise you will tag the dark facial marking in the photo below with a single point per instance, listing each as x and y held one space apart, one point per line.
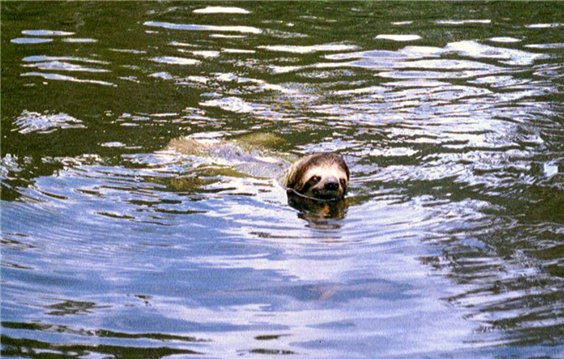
310 183
315 160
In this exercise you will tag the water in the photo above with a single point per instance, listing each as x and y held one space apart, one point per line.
449 244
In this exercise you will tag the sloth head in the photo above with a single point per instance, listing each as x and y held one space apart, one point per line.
322 176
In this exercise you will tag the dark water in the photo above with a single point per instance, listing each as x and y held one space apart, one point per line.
450 243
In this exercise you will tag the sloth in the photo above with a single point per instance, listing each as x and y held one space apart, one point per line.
320 176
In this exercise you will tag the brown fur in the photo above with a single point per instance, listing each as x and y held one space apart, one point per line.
298 176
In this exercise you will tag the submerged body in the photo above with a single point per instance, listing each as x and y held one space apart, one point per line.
245 155
320 176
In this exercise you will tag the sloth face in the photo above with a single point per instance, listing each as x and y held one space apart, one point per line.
321 176
325 182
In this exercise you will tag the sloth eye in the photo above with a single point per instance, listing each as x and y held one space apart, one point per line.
315 179
343 182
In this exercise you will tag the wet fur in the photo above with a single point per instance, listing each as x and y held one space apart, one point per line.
298 176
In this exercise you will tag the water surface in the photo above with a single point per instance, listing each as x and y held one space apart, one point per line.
450 241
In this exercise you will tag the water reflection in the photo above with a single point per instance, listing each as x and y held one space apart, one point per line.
29 122
221 10
319 214
198 27
449 243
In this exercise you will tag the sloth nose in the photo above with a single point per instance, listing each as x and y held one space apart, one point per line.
332 184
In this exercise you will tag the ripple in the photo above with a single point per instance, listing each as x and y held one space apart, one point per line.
162 75
47 33
63 66
509 56
28 122
401 23
80 40
206 53
57 77
551 169
30 40
411 57
113 144
111 348
431 75
309 49
221 10
173 60
559 45
237 51
233 104
130 51
543 25
463 22
196 27
223 36
12 163
400 38
504 39
451 65
43 58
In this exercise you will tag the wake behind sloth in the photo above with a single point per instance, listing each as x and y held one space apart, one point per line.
319 177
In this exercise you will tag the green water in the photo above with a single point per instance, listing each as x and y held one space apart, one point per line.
448 245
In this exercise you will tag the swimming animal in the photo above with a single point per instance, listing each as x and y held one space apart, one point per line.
320 176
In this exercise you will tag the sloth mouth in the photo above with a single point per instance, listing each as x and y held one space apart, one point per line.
317 196
326 195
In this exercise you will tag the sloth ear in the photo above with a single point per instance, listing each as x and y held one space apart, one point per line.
290 180
294 174
345 167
